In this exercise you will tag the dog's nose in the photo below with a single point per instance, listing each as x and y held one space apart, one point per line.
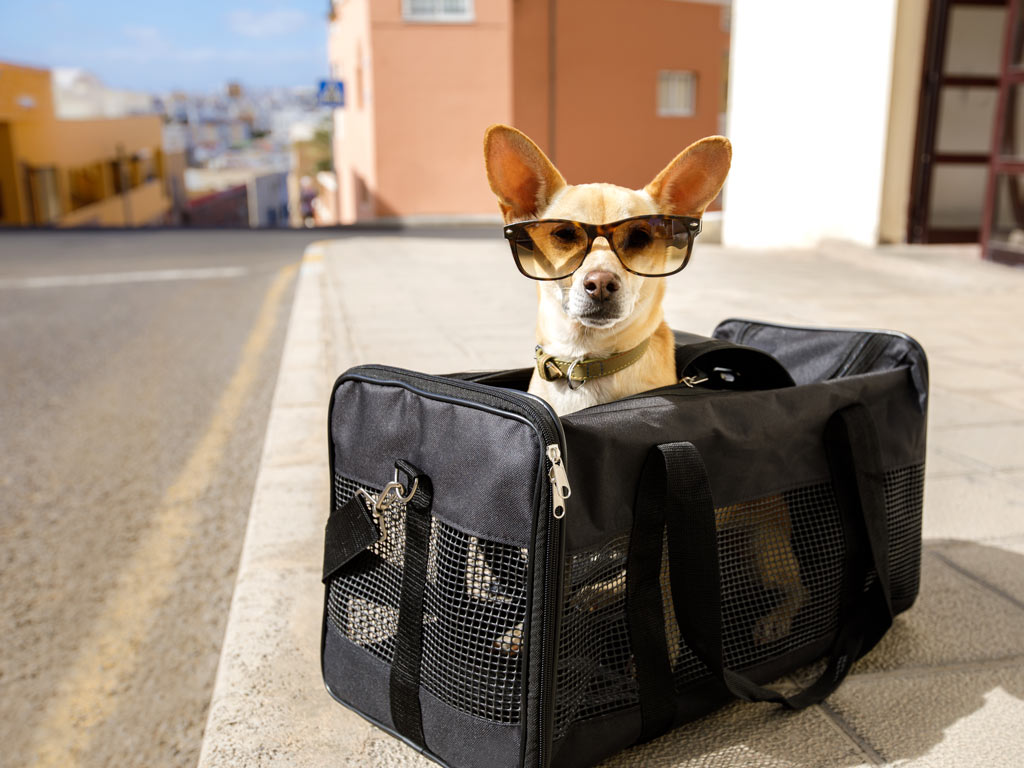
600 284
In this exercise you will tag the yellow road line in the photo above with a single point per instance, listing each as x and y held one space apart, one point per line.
87 695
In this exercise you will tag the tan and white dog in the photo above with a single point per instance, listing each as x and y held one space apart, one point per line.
602 309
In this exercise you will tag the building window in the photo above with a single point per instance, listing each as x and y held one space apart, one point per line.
43 195
677 94
438 10
85 185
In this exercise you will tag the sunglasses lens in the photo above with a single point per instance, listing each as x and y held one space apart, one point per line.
654 245
550 249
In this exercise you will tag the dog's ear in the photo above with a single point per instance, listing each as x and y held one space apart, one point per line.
688 184
519 173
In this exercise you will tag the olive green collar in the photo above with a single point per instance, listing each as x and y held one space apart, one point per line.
579 371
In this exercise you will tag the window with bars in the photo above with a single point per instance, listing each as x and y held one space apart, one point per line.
438 10
677 94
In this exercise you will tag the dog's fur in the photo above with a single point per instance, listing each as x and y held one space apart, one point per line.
571 322
577 318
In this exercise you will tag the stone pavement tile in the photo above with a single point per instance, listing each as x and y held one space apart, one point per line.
964 377
996 562
1000 446
972 507
986 356
954 620
955 718
947 408
1012 398
942 460
1015 476
742 735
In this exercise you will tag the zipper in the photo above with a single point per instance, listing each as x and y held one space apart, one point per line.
551 614
539 413
748 325
862 360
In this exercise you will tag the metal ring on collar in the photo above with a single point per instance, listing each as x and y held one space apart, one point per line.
568 375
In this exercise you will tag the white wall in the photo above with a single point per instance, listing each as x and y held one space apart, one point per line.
809 87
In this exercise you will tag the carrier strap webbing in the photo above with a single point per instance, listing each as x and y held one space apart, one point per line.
644 612
685 504
405 666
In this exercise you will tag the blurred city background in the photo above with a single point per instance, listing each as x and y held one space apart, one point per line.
210 209
887 122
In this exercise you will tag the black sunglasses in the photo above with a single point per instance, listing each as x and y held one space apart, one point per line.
651 246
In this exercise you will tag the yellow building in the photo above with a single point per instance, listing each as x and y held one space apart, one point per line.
70 173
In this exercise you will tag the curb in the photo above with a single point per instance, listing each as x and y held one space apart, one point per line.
270 650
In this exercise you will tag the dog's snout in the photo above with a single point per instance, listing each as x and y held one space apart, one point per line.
601 284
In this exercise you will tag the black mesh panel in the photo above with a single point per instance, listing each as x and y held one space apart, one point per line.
474 607
781 560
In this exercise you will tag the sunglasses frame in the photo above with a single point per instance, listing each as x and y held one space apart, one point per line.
594 231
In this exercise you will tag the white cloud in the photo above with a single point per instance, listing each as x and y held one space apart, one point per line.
280 21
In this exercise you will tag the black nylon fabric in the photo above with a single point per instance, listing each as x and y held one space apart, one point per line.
359 681
480 462
758 443
819 354
484 466
350 530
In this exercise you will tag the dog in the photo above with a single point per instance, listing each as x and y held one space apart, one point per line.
600 254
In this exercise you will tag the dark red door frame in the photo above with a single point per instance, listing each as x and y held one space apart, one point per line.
1006 159
933 79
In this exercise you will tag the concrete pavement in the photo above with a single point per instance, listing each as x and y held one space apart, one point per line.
944 688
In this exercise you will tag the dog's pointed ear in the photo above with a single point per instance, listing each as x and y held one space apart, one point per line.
519 173
688 184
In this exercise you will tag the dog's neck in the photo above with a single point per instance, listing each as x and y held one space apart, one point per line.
569 339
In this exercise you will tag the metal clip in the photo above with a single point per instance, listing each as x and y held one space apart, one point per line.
568 375
393 494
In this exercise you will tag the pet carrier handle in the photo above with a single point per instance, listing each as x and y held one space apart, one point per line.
404 683
865 610
674 478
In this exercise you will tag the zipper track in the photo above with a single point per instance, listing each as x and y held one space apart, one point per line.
748 324
874 345
541 414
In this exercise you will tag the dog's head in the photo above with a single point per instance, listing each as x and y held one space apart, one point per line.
601 297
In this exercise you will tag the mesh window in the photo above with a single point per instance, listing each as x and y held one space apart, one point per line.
781 559
474 606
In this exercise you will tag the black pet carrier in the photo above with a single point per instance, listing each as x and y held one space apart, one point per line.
762 515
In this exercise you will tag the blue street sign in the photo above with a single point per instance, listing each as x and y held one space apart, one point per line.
331 93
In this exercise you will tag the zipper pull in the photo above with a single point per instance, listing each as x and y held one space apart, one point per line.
559 481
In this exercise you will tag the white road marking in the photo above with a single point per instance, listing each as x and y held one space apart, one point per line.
119 278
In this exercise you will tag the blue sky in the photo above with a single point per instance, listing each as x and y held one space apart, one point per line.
195 45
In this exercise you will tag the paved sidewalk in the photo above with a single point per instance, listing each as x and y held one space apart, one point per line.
944 688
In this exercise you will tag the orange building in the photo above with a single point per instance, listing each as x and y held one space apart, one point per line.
67 173
610 89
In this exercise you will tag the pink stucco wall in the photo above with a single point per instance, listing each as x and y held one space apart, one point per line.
350 51
430 90
438 87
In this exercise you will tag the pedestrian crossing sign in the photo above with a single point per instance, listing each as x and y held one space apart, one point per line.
331 93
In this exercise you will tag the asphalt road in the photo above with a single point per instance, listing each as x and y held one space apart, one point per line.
137 373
